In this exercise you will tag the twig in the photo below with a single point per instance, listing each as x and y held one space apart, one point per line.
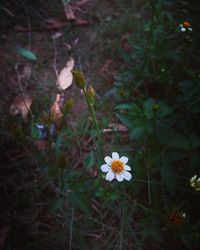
71 229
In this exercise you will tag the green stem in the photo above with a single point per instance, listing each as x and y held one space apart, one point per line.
99 137
91 109
149 41
61 178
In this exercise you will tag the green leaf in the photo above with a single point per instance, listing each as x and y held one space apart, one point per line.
168 175
124 106
89 160
79 200
184 141
164 109
126 119
26 53
137 133
148 108
35 132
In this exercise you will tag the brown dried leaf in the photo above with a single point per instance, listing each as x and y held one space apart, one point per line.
65 77
41 144
69 13
115 127
21 105
81 22
56 35
82 2
70 64
27 71
56 114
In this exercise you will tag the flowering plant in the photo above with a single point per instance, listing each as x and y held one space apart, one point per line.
185 26
116 168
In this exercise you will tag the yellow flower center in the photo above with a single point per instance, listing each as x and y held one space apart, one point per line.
117 166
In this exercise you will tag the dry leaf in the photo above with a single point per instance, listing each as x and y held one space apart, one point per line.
74 10
56 114
115 127
77 40
67 46
69 13
56 35
50 25
27 71
41 144
82 2
65 77
70 64
81 22
21 105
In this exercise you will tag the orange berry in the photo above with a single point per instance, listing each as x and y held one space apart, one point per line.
186 24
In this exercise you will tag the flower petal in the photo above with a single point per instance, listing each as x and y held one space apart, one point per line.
108 160
105 168
110 176
119 177
183 29
126 167
115 156
124 159
127 176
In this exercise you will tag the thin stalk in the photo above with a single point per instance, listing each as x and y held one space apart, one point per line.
149 185
61 178
99 137
149 39
91 109
71 229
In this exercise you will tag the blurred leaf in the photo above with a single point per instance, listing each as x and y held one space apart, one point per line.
137 133
80 200
26 53
164 109
41 144
69 12
148 107
65 77
168 174
152 228
35 132
57 204
126 119
184 141
56 114
89 160
21 105
124 106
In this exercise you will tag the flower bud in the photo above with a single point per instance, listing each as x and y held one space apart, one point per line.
91 94
79 79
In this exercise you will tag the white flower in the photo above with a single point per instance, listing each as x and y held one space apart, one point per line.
182 28
116 167
185 26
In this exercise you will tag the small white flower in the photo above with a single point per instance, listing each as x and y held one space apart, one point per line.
183 29
185 26
116 167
